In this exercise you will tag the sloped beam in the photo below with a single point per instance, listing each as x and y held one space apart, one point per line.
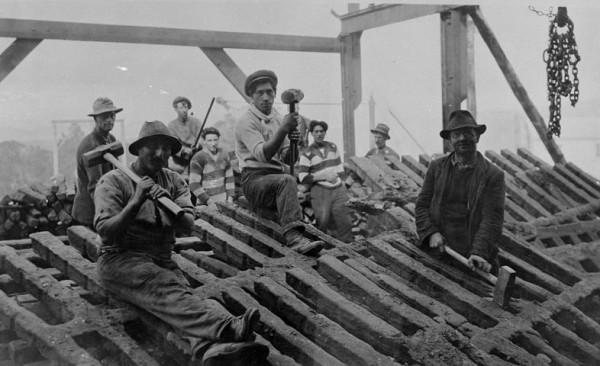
15 53
39 29
380 15
515 84
228 68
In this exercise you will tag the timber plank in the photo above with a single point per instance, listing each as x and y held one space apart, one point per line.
407 171
562 170
415 166
587 178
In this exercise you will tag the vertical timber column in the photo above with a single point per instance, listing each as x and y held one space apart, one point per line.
371 120
351 88
458 85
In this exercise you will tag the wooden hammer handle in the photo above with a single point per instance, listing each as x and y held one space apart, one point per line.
487 276
164 202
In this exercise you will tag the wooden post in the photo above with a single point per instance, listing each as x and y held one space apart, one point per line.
371 120
351 88
457 66
515 84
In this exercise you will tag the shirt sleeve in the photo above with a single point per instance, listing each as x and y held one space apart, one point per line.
304 170
196 175
252 138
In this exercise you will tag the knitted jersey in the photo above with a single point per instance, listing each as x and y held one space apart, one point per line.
315 159
211 176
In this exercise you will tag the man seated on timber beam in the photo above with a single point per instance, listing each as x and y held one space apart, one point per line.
135 258
186 128
461 203
263 148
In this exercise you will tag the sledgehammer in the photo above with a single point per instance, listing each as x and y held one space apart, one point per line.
503 284
292 97
109 153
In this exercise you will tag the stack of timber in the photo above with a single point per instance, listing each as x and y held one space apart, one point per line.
378 301
36 207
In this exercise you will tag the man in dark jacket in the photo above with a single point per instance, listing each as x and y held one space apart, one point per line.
461 203
104 112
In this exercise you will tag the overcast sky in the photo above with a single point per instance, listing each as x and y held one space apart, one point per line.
400 65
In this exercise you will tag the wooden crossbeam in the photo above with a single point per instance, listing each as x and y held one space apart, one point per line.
228 68
380 15
15 53
69 31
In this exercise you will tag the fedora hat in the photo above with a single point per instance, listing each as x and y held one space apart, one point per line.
260 75
155 129
103 105
461 119
383 129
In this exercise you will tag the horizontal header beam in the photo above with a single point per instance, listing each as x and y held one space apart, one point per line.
380 15
40 29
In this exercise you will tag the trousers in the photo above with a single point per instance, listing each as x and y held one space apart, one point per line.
154 282
330 211
265 189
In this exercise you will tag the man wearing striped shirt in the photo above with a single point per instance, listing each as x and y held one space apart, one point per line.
321 169
211 175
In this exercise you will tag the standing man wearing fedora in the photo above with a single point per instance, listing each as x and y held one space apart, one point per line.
135 257
104 113
381 133
186 128
263 148
461 203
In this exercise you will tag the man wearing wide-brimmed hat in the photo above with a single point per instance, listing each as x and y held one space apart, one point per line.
262 145
104 112
381 133
135 258
186 128
461 203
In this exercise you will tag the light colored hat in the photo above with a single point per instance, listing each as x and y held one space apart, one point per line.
103 105
383 129
461 119
153 129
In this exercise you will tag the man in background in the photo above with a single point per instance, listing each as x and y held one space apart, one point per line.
186 128
104 113
381 133
211 174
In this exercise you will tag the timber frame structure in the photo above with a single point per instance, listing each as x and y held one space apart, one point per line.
457 22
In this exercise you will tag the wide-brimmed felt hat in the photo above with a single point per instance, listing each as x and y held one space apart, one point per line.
182 99
103 105
151 130
461 119
383 129
260 75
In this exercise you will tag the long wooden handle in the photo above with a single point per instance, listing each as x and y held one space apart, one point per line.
164 202
487 276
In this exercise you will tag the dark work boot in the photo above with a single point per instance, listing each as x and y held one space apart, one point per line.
296 241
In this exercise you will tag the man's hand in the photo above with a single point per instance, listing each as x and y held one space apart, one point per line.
436 240
142 189
476 261
290 122
187 153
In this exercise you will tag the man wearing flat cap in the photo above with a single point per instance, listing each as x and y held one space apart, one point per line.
135 257
104 112
461 203
381 133
262 145
186 128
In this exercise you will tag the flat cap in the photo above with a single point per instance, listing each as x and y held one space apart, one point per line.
260 75
182 99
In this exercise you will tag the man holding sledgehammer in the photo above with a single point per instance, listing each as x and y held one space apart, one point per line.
461 203
138 235
262 145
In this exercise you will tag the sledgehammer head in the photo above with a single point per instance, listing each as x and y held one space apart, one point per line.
291 97
96 156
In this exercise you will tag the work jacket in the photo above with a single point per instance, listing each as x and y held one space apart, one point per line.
485 209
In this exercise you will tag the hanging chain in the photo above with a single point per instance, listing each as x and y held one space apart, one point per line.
560 57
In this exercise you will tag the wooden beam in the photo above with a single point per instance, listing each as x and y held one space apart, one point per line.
351 88
15 53
380 15
456 64
228 68
515 84
39 29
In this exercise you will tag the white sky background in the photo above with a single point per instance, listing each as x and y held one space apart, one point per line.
400 67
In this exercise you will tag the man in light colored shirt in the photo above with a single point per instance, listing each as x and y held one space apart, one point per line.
186 128
263 150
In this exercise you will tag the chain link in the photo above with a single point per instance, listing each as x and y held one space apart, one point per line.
541 13
561 56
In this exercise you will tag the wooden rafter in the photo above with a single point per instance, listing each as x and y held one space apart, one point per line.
228 68
39 29
15 53
380 15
